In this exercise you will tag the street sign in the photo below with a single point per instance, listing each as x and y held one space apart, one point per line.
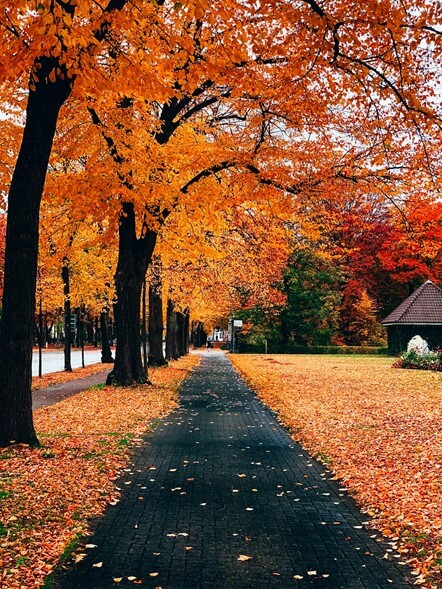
237 323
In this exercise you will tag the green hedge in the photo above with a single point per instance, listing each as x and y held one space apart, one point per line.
293 349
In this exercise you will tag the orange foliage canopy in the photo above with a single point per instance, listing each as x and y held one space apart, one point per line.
412 251
305 96
302 99
276 94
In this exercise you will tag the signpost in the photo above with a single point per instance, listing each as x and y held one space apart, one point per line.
233 325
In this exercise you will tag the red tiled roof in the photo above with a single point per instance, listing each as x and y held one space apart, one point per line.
424 306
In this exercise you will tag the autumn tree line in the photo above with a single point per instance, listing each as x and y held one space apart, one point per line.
219 141
336 289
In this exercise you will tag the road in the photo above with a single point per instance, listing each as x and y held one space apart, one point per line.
53 360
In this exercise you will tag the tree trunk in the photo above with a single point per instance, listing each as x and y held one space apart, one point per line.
172 332
16 331
134 256
89 331
156 355
179 334
182 339
186 334
198 335
79 327
40 340
106 352
42 328
143 327
48 332
96 332
67 319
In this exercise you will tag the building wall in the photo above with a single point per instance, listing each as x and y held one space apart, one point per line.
400 335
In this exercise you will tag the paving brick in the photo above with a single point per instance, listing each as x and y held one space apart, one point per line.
229 481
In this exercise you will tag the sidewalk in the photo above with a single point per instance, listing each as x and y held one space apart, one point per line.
220 497
58 392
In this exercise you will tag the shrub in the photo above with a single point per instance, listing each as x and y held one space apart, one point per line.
417 361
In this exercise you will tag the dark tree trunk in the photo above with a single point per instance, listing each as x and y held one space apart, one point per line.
186 334
96 332
134 256
180 331
42 329
143 327
16 331
284 330
67 319
156 355
198 335
183 332
79 328
40 340
48 329
90 336
106 352
172 332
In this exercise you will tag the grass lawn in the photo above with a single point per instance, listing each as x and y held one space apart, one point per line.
48 495
379 429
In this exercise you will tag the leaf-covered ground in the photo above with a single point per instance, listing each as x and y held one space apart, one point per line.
380 431
47 495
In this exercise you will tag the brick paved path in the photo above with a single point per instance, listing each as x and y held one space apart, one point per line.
221 478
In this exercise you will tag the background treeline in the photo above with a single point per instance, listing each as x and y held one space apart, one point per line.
337 288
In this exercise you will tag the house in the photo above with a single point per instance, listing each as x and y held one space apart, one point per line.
420 314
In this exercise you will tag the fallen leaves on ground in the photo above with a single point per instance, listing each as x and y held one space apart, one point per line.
47 380
379 429
47 495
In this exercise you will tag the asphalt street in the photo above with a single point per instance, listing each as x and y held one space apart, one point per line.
53 360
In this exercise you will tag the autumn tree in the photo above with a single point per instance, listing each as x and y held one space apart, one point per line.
81 253
50 50
412 253
301 97
351 231
216 260
209 88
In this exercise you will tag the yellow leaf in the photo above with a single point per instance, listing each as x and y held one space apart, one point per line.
79 557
